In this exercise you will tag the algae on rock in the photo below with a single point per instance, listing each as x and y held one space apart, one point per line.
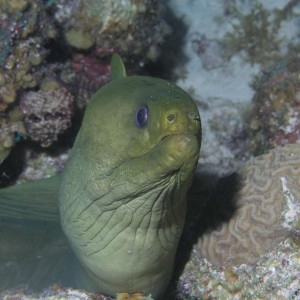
256 34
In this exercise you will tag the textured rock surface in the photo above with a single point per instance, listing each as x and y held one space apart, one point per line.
269 209
24 29
274 120
256 255
113 25
47 114
44 39
53 293
274 276
10 127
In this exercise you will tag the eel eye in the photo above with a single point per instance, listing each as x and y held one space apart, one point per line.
141 117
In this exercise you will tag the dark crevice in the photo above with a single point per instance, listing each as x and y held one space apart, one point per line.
211 201
172 54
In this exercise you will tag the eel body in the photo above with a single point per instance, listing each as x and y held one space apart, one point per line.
122 195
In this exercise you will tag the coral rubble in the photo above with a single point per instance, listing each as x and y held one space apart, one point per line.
275 276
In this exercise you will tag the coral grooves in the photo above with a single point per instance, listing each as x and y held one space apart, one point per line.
269 209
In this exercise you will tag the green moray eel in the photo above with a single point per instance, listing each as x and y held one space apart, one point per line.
122 195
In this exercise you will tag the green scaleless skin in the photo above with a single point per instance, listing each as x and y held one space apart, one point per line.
122 196
122 199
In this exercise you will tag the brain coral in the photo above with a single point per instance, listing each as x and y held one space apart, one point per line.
269 209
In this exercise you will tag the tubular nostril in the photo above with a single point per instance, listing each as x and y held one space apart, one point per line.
193 116
171 117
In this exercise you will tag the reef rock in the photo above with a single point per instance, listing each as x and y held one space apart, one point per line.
274 120
46 39
47 114
113 26
256 254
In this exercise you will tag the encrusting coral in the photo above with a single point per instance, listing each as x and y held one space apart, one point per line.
45 39
255 34
269 210
274 119
47 114
9 127
24 29
113 26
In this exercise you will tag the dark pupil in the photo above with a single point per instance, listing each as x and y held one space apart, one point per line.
142 116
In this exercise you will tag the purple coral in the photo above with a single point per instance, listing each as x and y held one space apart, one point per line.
90 73
47 114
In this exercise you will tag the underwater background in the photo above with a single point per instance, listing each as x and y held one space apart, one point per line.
238 59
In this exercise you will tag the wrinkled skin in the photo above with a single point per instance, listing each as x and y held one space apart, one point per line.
122 196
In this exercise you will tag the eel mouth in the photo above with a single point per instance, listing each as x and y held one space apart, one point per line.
188 123
183 133
196 134
180 148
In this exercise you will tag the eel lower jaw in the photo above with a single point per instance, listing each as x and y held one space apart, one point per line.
181 150
188 133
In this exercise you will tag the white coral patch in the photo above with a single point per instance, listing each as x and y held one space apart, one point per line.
292 212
